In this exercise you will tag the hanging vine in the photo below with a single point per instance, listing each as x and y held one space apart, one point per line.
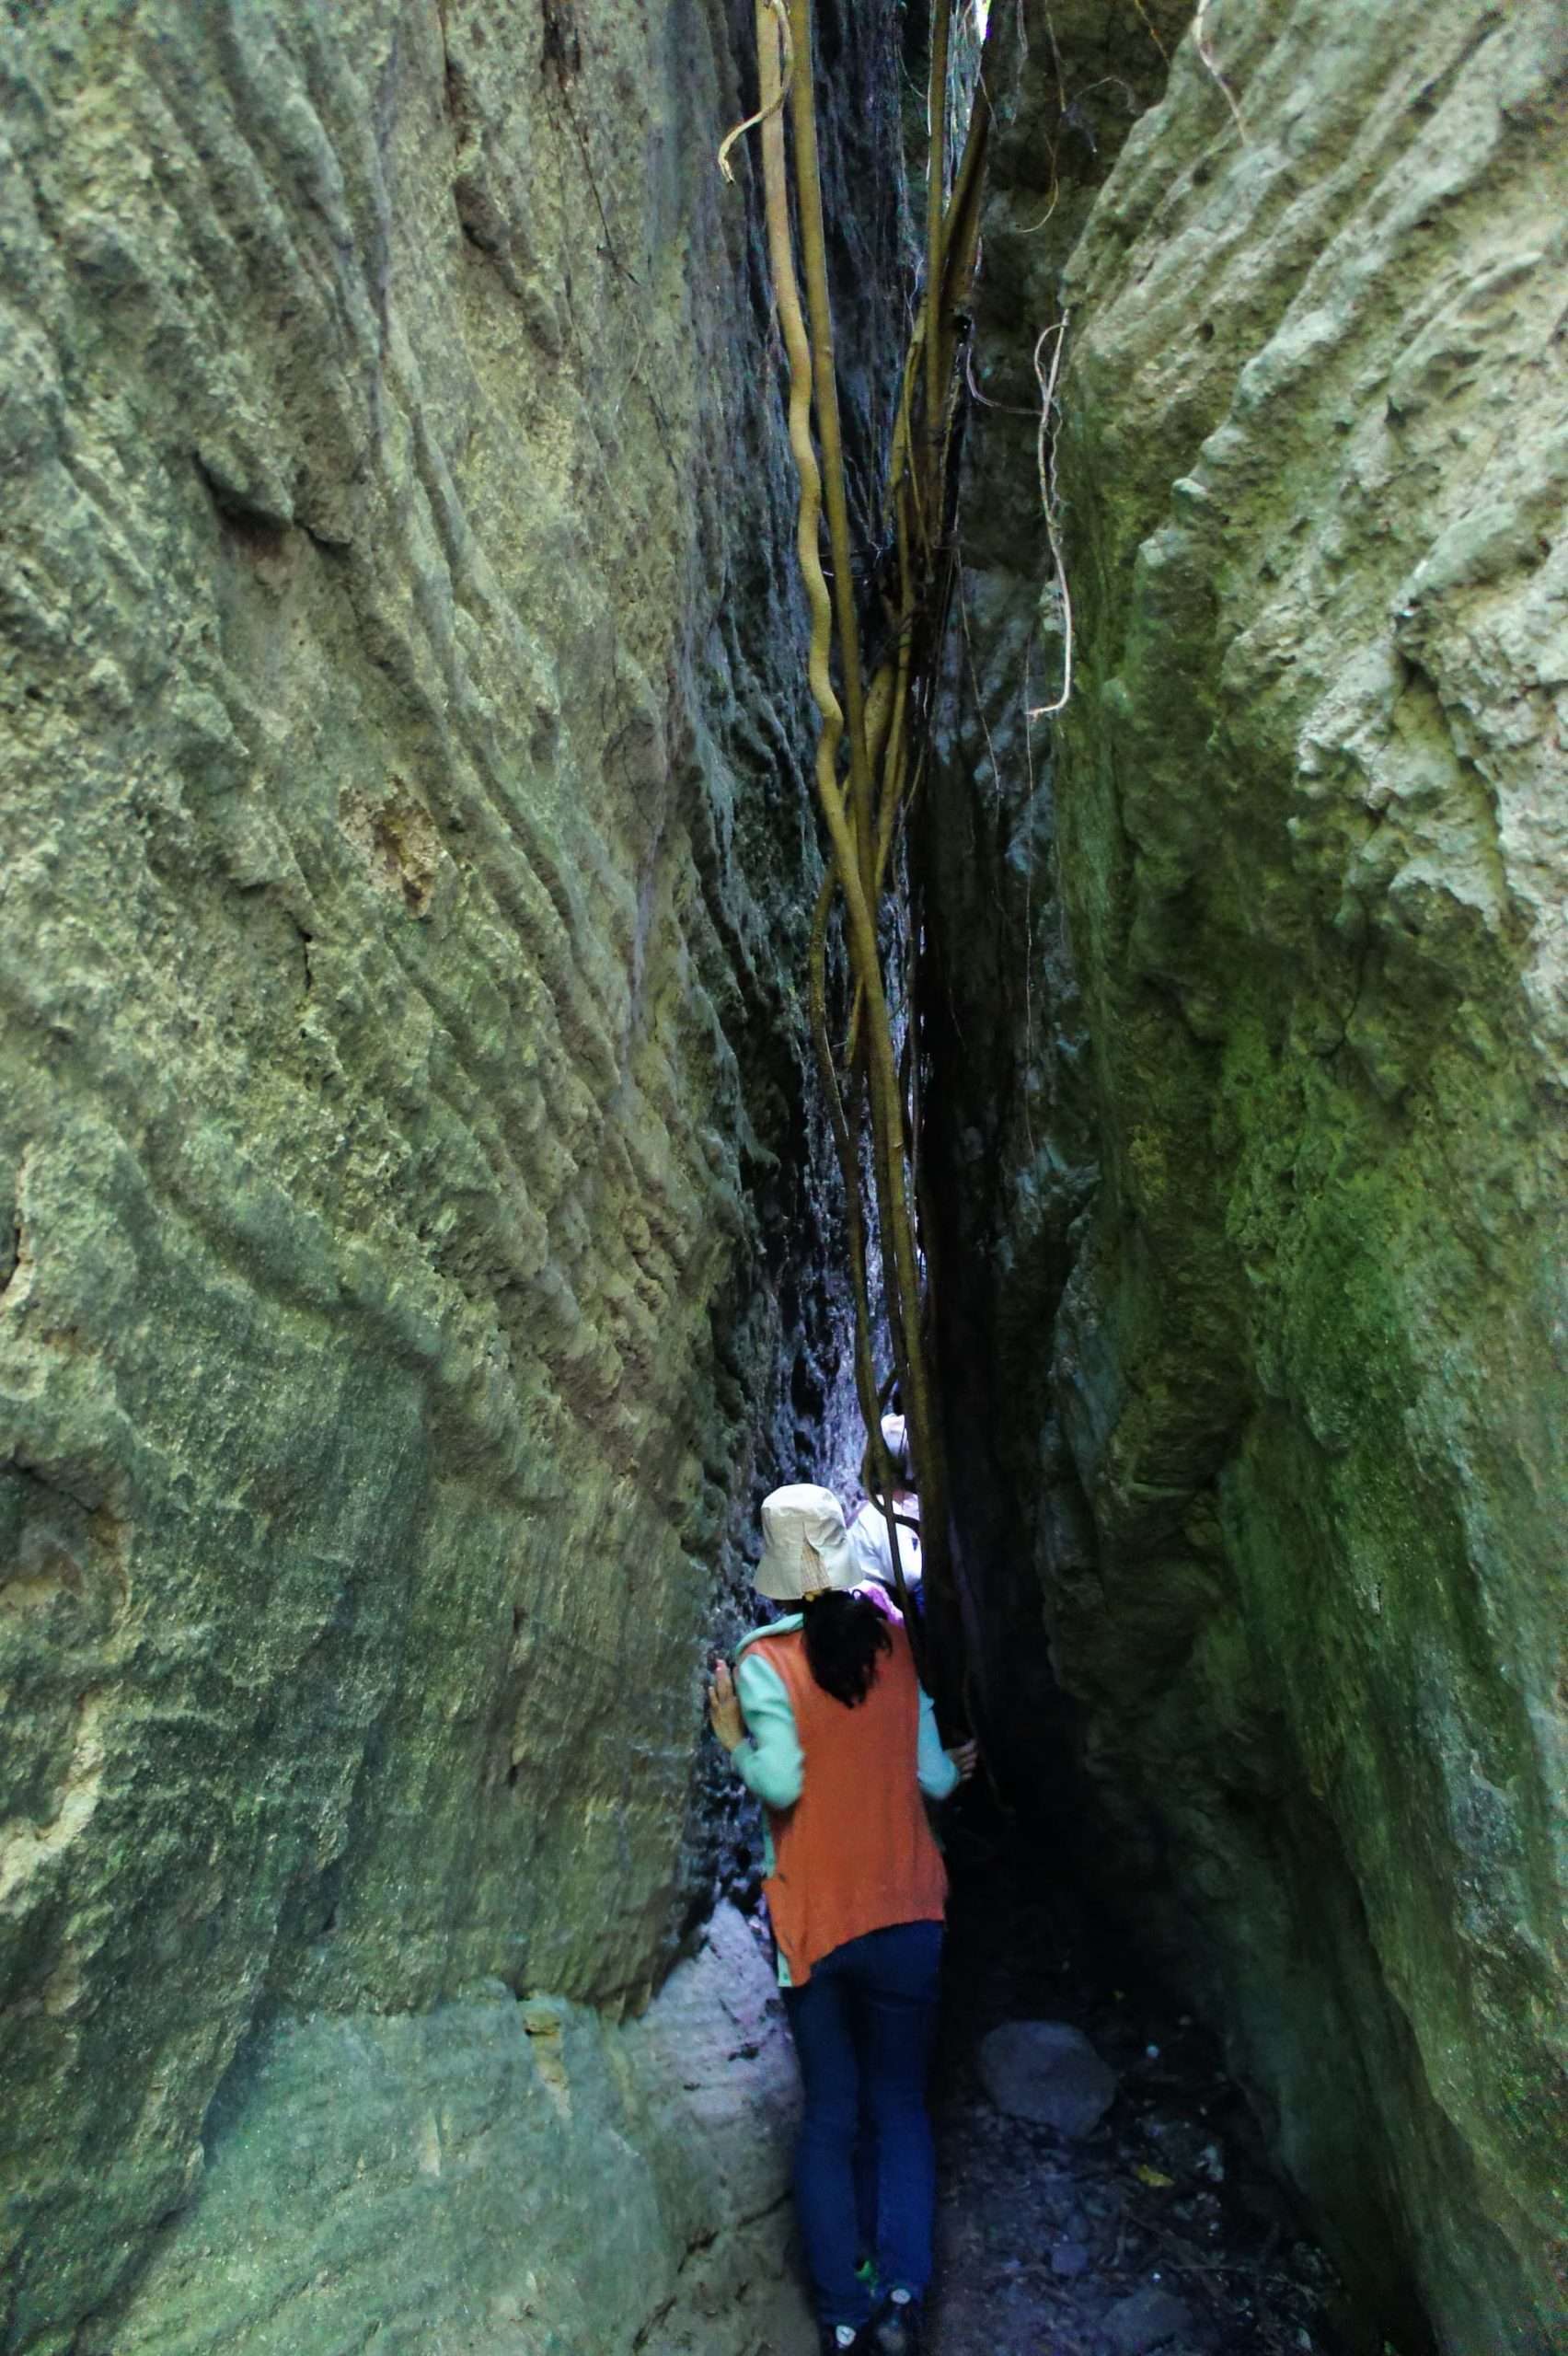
871 755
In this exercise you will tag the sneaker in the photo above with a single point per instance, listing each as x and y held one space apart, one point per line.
895 2326
843 2340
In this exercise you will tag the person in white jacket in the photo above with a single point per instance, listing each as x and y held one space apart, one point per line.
868 1531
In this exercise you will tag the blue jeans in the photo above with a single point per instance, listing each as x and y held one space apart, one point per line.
863 2025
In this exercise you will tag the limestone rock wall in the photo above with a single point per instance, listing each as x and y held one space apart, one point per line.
530 2177
412 1207
1014 1146
1269 1154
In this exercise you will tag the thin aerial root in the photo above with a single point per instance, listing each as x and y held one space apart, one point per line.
764 113
846 1133
936 197
771 26
874 731
1045 449
1200 42
835 500
1149 26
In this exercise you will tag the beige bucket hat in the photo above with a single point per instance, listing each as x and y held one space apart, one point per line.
804 1545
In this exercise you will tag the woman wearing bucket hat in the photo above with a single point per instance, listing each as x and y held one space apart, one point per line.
826 1724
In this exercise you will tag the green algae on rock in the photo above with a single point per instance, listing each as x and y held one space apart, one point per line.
415 1214
1293 1475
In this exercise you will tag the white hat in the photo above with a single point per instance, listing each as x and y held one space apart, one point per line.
804 1545
895 1440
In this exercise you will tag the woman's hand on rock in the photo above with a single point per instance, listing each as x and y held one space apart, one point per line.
723 1709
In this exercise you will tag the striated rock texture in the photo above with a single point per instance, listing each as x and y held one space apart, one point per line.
529 2177
1272 1170
1014 1146
409 1198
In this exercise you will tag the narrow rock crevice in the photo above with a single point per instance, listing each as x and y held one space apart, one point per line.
1256 1358
432 1238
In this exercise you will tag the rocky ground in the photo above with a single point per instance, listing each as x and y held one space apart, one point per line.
1160 2227
1148 2217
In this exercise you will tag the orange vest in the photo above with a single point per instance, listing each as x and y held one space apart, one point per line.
855 1852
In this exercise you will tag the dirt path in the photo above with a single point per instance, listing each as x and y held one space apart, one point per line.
1043 2243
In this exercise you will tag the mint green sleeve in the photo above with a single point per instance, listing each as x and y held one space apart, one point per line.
934 1771
769 1762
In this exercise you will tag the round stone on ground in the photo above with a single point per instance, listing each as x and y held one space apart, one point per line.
1049 2074
1146 2320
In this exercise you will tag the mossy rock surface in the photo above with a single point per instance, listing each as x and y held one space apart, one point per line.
1266 1157
414 1216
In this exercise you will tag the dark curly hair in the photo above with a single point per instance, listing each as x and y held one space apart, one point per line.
844 1634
